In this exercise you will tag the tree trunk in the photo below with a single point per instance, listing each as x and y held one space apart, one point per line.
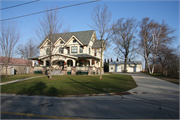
146 65
6 70
101 64
125 64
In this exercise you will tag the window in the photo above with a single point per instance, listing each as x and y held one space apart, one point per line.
49 43
61 42
48 51
94 52
111 68
74 49
68 50
81 49
60 50
74 40
89 51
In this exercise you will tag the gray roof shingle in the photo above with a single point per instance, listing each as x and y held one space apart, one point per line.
83 36
97 44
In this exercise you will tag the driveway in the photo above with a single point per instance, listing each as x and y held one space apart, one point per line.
149 84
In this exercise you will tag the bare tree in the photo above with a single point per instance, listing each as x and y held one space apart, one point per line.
49 25
101 18
164 56
28 49
9 37
162 35
124 38
145 44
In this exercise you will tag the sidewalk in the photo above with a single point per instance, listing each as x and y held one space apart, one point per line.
20 80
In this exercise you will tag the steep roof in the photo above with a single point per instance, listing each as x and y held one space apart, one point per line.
83 36
122 62
15 61
97 44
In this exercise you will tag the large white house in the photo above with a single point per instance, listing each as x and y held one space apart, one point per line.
132 66
72 53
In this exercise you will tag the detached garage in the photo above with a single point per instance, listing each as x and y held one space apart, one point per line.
132 66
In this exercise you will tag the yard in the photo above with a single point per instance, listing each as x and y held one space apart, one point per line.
71 85
163 77
16 77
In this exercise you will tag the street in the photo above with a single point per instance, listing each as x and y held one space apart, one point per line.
134 106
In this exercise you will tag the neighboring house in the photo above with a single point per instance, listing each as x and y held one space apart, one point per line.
15 66
132 66
73 53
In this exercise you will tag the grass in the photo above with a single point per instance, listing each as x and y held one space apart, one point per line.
71 85
163 77
16 77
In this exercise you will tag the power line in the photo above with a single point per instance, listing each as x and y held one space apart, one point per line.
50 10
19 5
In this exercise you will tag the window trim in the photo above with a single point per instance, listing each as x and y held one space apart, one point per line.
72 49
62 50
80 49
48 51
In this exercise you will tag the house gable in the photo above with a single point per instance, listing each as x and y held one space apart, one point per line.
71 41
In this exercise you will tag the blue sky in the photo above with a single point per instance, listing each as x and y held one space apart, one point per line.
78 17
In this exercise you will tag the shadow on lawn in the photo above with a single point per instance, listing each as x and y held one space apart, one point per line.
40 88
103 91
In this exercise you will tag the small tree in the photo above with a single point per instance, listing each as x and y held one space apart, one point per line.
101 20
50 24
9 38
117 60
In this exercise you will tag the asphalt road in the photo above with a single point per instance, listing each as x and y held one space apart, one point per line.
135 106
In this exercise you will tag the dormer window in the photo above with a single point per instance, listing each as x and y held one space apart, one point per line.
49 43
74 40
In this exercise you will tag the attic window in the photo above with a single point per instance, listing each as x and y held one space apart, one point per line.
74 40
61 42
49 43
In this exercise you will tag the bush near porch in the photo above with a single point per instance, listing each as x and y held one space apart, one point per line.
71 85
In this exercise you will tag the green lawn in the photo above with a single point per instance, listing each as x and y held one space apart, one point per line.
163 77
16 77
71 85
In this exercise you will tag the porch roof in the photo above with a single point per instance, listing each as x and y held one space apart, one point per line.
86 56
58 54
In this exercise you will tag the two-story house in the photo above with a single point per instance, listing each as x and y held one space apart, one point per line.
72 52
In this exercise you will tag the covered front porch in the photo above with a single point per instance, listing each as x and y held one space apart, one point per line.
69 64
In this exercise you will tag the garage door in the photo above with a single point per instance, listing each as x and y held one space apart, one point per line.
138 69
118 68
130 69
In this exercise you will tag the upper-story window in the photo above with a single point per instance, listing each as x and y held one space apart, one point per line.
49 43
95 52
60 50
74 40
81 49
89 50
68 50
48 51
74 49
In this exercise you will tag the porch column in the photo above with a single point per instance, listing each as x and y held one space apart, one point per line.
44 63
90 60
32 63
74 62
